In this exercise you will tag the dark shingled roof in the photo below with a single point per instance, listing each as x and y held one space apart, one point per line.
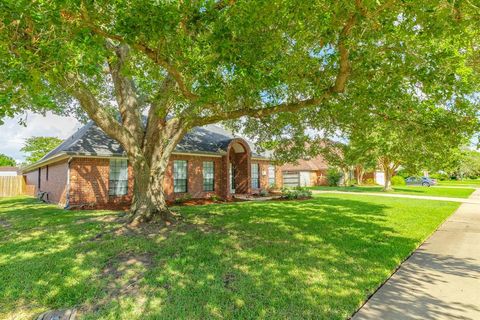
91 140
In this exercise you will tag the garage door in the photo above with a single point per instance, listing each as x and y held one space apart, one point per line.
305 178
291 179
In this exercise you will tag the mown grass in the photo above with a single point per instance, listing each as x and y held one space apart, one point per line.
319 258
413 190
460 183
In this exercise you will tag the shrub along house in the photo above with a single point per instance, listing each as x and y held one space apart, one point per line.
89 169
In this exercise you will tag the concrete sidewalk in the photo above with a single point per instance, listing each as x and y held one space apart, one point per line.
472 199
441 280
456 187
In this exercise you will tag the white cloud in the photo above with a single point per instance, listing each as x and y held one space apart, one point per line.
13 135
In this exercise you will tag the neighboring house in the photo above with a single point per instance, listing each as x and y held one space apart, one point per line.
8 171
90 169
313 172
305 172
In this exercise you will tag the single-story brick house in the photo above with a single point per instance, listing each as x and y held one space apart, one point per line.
91 169
305 172
313 172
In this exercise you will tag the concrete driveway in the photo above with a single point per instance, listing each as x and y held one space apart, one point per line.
441 280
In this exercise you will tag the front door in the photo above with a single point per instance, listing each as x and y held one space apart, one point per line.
231 171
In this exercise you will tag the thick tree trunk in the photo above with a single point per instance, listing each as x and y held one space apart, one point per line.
388 169
149 168
149 203
360 173
346 177
388 180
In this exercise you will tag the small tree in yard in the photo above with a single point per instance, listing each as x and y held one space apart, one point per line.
36 147
415 143
333 177
7 161
351 156
469 164
192 63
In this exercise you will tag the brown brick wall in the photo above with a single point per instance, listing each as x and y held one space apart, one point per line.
224 177
278 177
263 174
195 177
55 184
89 180
263 170
321 178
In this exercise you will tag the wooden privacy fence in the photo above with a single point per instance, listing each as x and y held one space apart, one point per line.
12 186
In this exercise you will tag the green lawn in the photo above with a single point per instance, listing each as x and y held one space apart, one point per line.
421 191
319 258
460 183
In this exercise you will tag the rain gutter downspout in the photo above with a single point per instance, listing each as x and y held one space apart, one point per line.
67 202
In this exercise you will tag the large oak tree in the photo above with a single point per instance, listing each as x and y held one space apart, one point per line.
191 63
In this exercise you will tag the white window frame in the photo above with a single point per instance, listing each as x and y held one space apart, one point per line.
255 175
208 176
118 177
271 175
180 174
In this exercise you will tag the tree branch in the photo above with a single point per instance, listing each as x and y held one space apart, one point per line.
258 113
171 133
157 113
99 115
154 56
338 87
364 11
125 92
344 62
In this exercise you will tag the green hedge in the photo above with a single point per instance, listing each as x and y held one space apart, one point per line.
296 193
398 181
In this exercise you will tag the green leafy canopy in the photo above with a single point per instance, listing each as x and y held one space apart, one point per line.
7 161
36 147
279 70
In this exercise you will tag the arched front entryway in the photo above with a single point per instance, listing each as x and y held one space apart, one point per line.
237 163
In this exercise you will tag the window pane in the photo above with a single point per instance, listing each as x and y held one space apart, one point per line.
118 182
180 176
208 176
255 176
271 175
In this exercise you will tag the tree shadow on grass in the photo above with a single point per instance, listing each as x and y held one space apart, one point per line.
46 255
310 259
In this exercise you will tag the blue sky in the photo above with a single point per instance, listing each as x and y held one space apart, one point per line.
13 135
